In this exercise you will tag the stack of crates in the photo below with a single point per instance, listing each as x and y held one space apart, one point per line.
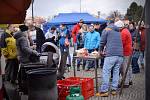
64 88
86 84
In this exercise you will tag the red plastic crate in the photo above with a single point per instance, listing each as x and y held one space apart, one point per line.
62 98
64 88
86 83
88 94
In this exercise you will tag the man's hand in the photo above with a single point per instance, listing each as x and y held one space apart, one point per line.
33 47
101 53
95 49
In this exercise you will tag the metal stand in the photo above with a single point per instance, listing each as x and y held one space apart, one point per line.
96 81
88 58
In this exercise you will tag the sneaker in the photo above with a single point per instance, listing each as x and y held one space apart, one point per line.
87 69
102 94
136 72
113 92
124 86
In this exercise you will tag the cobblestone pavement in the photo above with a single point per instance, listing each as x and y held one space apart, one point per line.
134 92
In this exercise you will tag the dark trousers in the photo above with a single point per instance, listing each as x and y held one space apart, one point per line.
102 62
91 64
135 65
61 68
65 49
11 69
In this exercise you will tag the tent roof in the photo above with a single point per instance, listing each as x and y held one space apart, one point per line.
72 18
13 11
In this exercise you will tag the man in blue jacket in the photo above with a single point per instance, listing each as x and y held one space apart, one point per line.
111 39
92 41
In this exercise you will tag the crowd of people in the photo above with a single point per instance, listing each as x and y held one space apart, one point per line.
115 41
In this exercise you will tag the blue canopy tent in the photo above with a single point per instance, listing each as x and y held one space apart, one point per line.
71 19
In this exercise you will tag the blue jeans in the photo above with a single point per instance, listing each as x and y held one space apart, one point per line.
141 58
109 63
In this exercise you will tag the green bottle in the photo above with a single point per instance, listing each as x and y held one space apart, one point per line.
75 93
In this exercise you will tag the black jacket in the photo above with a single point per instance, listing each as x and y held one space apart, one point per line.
40 38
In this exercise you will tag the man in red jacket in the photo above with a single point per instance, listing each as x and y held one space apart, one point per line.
127 51
75 31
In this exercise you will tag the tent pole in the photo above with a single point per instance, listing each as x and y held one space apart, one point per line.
32 10
147 69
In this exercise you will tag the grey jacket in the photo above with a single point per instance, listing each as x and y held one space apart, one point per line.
23 47
111 38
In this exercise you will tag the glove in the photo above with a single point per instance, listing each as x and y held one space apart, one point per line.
53 38
95 49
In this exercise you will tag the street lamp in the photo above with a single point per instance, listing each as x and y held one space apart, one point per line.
99 14
32 11
80 6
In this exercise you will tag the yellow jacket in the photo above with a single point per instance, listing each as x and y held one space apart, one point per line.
9 50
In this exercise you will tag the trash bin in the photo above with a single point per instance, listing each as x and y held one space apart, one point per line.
42 84
22 77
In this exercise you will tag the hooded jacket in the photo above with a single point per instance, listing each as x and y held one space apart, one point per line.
23 47
111 38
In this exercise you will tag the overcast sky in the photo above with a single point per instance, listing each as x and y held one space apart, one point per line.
47 8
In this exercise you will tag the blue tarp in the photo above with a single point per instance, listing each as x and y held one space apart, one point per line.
72 19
